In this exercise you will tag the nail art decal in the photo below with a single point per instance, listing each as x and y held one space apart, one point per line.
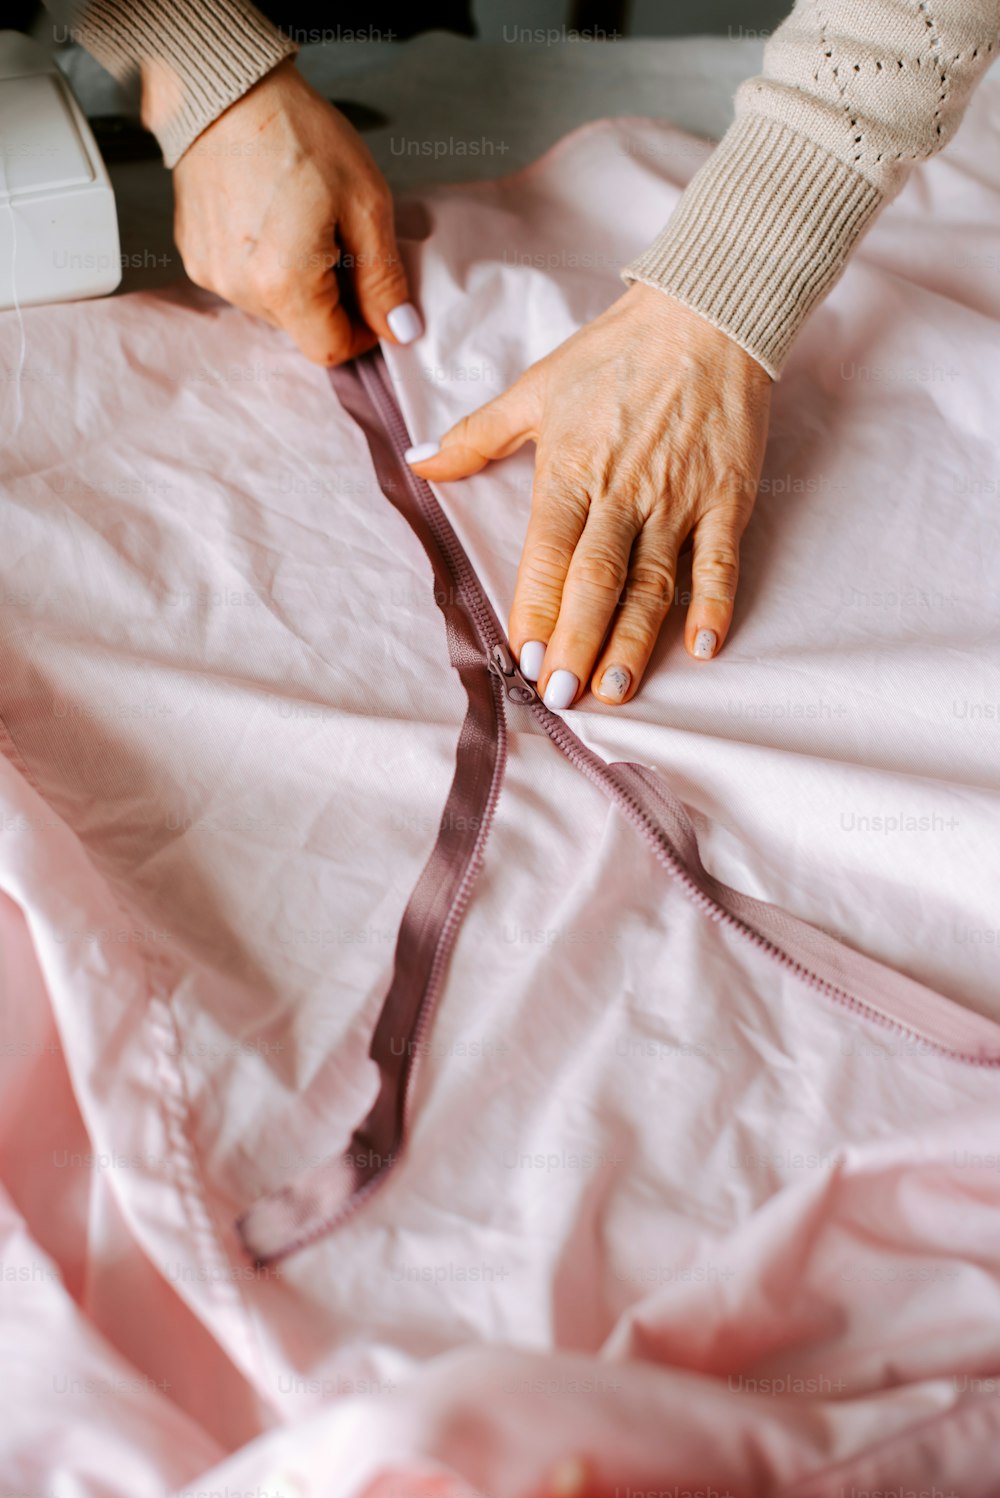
615 682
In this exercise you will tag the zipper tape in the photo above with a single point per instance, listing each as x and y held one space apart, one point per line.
320 1198
315 1201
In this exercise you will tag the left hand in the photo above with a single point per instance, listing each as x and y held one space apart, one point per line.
281 209
650 425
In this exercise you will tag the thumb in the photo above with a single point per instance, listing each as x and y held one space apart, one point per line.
494 431
371 257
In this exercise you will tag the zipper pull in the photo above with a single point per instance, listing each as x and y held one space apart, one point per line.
517 687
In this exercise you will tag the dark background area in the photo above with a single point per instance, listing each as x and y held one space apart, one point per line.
470 17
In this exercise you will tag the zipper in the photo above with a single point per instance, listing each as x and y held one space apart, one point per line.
645 800
319 1199
517 688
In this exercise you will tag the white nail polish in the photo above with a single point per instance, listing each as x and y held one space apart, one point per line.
530 660
562 688
422 452
615 682
405 323
705 642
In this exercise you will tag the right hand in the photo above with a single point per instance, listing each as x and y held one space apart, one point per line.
281 209
650 426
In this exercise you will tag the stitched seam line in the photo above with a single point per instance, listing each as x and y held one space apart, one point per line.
188 1177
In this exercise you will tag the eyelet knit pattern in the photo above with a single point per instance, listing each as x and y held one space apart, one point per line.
853 93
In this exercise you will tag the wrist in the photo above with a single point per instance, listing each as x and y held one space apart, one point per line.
241 119
683 331
192 71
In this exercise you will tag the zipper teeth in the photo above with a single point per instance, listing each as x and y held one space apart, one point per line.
375 379
327 1225
599 774
462 896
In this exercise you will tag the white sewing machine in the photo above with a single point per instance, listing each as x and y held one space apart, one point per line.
58 226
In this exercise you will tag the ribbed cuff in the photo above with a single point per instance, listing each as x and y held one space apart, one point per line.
215 49
760 235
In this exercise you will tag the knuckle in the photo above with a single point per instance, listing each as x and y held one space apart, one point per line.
564 501
600 571
270 285
317 352
329 358
462 434
566 475
472 431
545 566
380 267
475 429
374 201
321 345
716 572
629 485
635 638
196 269
233 292
313 263
737 487
373 215
650 586
532 621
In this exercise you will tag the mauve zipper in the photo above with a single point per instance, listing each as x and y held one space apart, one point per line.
321 1198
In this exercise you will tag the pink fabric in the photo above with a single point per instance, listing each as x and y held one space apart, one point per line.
663 1203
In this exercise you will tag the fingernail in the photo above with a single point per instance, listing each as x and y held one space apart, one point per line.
405 323
562 688
422 452
705 642
530 662
615 683
568 1478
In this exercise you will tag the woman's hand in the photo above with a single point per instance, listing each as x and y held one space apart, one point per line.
280 208
650 425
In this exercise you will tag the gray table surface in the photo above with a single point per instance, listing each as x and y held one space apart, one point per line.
441 95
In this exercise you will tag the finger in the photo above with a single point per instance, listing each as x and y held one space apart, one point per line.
715 571
372 260
313 314
558 516
593 586
646 600
494 431
293 286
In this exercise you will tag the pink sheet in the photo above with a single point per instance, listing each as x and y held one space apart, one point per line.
663 1202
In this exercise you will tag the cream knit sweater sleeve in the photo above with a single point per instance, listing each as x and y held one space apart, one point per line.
206 54
853 94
